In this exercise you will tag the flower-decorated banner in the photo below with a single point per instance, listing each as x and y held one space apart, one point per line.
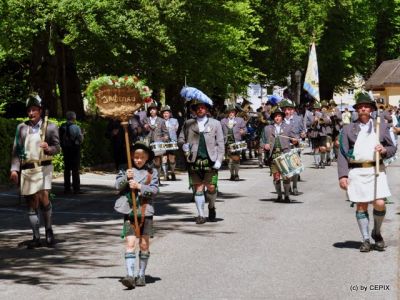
117 98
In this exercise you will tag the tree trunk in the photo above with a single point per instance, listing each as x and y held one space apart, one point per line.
174 99
68 81
43 70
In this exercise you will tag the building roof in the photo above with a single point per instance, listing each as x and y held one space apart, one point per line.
387 74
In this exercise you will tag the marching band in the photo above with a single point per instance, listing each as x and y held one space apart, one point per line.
276 134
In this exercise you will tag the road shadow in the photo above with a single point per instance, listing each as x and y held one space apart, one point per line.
268 200
149 279
347 245
274 200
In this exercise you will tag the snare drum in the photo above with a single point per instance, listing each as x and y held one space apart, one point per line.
171 146
289 164
237 147
158 148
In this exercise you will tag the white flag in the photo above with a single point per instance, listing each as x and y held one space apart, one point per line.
311 82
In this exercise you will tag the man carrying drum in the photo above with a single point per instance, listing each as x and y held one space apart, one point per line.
359 173
277 140
234 129
172 127
35 143
202 141
156 132
297 124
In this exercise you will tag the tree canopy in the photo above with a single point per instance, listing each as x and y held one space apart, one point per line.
56 47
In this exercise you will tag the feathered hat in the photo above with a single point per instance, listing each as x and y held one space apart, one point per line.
195 96
274 99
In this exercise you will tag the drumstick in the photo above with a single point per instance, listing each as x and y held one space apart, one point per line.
377 155
288 137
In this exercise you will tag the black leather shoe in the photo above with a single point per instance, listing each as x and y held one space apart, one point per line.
232 178
237 178
200 220
365 246
35 243
49 237
211 214
287 199
129 282
379 243
173 177
279 199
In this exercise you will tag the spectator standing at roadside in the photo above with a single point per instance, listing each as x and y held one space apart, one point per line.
71 138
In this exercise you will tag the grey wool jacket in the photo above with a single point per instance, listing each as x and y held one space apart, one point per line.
51 138
213 136
347 139
149 186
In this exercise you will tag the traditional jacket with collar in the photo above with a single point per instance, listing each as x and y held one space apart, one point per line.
157 132
322 127
213 136
148 182
239 123
297 124
270 135
172 128
51 138
348 137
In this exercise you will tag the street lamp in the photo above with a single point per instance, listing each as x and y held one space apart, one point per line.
297 76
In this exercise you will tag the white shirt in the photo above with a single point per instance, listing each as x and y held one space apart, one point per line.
153 120
365 127
277 129
287 121
202 122
35 128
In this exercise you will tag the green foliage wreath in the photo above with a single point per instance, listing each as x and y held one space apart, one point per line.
117 82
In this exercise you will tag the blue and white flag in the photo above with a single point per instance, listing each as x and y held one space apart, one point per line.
311 82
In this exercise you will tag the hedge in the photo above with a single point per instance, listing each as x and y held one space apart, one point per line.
96 148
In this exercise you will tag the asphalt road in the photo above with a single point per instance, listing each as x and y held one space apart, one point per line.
258 249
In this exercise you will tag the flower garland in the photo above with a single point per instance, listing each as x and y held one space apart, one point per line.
117 82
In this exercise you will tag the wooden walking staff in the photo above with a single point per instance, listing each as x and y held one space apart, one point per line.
377 155
119 99
133 195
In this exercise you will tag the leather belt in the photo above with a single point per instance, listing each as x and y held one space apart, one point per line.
34 165
366 164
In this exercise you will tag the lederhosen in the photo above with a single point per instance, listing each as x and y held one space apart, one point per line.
277 151
202 169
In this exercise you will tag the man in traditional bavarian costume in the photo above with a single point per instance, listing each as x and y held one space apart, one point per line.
155 131
234 128
337 124
319 135
356 168
170 156
328 129
202 141
298 129
36 141
276 141
142 180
